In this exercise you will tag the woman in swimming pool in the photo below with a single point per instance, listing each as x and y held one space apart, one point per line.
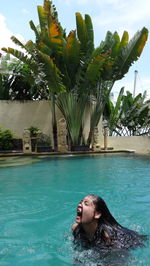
96 227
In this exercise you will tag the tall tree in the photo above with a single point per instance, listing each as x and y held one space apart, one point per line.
72 64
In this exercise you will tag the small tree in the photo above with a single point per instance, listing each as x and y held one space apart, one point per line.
129 116
135 114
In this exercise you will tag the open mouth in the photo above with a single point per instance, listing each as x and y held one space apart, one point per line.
79 214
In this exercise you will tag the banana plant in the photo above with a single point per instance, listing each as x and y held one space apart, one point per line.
129 116
122 54
71 64
135 113
59 60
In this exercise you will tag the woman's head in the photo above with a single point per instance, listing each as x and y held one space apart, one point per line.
94 207
86 211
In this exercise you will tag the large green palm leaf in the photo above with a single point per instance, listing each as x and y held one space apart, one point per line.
51 32
52 74
90 33
94 69
20 55
130 53
81 31
71 58
85 33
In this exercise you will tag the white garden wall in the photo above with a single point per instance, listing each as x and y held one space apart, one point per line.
141 144
18 115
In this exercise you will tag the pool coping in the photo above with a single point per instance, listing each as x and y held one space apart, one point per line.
64 153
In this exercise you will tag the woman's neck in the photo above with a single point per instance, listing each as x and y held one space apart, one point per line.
90 229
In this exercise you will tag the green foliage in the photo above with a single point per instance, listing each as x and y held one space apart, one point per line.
135 112
73 111
129 113
60 63
71 63
17 81
4 87
85 33
34 131
6 137
129 52
113 113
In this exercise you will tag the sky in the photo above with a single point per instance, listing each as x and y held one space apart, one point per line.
112 15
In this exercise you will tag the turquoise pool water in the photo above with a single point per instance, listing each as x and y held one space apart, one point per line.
38 199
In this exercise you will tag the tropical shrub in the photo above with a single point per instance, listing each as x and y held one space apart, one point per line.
130 116
34 131
135 114
6 138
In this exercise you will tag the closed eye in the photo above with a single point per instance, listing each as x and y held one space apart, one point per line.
86 203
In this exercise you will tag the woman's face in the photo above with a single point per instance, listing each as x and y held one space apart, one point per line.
86 212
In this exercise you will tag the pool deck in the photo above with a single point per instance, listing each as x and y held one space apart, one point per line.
4 154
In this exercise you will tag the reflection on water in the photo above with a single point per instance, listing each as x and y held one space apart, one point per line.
17 161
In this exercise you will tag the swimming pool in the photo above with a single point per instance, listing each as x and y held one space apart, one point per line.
38 199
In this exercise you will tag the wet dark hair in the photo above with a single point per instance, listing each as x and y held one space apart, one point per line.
101 207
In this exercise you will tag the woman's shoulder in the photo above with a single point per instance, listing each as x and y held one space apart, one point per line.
77 230
74 227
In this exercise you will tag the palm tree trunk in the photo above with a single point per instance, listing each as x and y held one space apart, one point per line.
89 140
54 122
